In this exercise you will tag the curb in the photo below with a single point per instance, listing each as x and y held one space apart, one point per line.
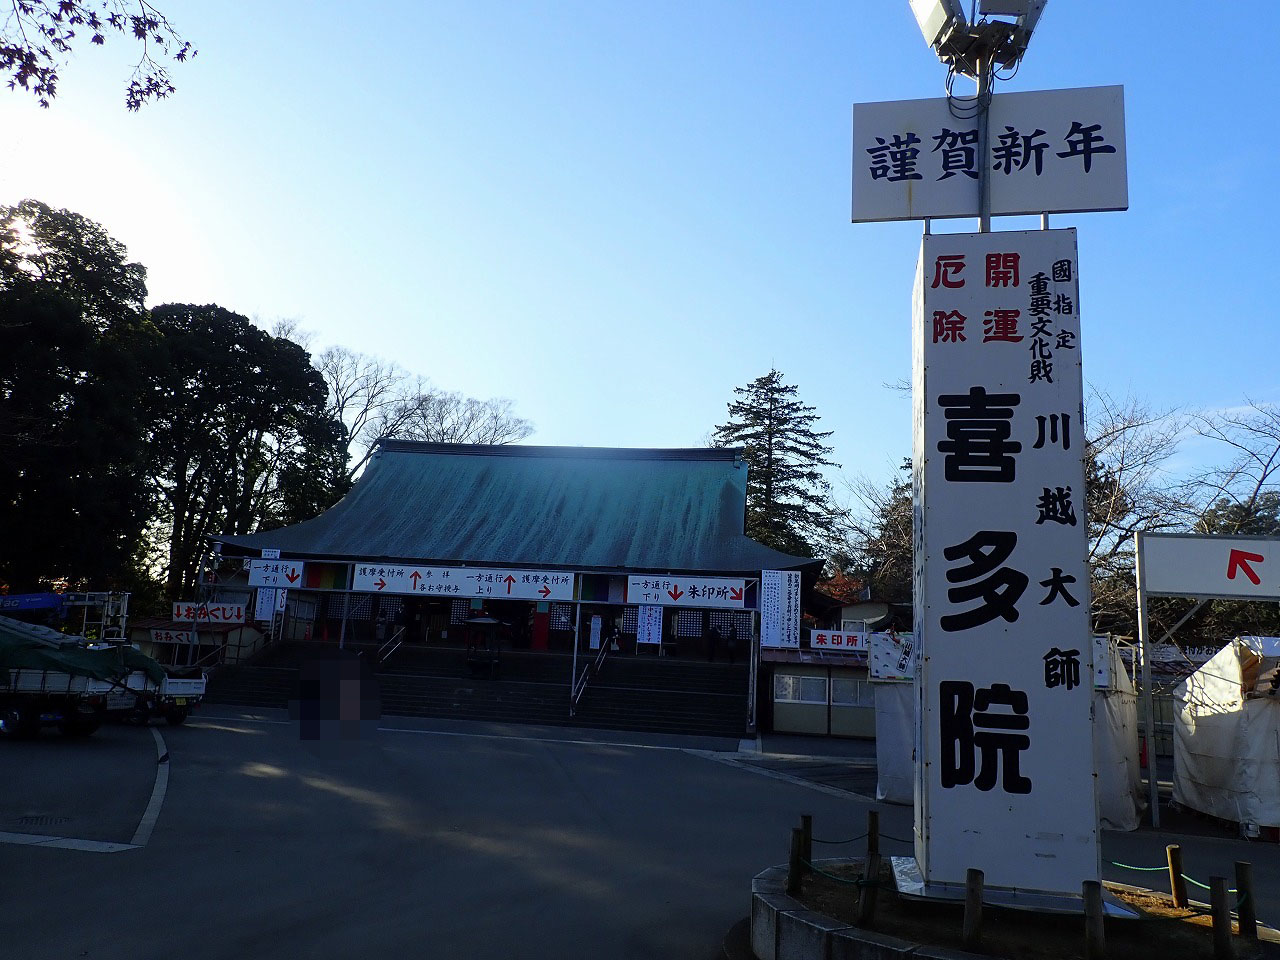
783 928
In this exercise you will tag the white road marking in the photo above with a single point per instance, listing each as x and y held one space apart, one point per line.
140 836
64 843
152 813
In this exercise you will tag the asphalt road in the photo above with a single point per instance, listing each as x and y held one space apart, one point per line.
432 840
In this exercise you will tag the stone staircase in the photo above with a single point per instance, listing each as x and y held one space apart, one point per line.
630 693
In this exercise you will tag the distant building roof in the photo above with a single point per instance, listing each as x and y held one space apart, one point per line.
584 508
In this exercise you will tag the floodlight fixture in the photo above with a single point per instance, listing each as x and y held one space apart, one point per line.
937 19
972 48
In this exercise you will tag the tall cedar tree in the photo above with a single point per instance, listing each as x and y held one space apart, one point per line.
788 504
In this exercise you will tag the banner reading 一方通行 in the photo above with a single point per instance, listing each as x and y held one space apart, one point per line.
1001 580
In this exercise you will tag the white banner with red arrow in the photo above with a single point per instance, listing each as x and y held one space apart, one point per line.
499 583
1191 565
275 573
677 591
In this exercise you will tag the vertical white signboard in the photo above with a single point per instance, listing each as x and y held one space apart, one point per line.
265 606
1002 587
779 608
648 624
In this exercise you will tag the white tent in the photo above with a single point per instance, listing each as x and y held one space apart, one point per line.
1226 748
1119 783
892 666
1115 739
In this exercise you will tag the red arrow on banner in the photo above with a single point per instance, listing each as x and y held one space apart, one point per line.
292 576
675 593
415 577
380 583
1240 560
545 591
735 593
508 580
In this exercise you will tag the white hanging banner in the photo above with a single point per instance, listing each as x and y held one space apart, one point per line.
1001 580
648 624
265 604
499 583
780 608
275 573
682 591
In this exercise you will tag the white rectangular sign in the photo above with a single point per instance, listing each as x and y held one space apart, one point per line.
275 573
780 608
264 607
1002 586
1049 151
649 624
837 640
1186 565
501 584
189 611
173 636
681 591
891 656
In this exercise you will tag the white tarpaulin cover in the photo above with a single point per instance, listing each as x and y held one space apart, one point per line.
1119 781
1226 748
895 742
1115 732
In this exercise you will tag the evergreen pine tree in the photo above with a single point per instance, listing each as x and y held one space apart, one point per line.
788 506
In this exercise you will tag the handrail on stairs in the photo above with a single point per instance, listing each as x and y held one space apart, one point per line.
593 668
393 643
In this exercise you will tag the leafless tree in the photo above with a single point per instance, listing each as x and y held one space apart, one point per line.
377 400
1227 498
1128 488
450 417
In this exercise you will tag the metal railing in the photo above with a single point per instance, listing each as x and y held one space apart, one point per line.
390 647
580 684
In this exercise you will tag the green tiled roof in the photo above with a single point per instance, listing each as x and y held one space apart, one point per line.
577 507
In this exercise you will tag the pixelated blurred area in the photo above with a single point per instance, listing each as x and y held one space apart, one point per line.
337 700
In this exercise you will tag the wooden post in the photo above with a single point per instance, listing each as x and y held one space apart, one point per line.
1177 886
806 830
1095 932
1245 908
971 933
1223 949
873 832
867 892
794 865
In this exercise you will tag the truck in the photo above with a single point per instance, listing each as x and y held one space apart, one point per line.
48 678
142 698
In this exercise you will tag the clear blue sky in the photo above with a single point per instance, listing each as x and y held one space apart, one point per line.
613 213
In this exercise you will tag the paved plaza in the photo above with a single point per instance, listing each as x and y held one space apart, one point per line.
429 839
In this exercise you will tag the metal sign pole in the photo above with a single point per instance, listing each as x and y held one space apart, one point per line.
1148 704
985 66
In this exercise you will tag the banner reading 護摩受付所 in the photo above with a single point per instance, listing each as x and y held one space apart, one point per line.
1001 580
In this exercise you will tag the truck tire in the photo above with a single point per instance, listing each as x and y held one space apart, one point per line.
176 716
80 725
21 722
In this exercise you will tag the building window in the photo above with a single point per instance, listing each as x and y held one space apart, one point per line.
846 692
562 616
689 623
793 689
629 620
722 620
459 611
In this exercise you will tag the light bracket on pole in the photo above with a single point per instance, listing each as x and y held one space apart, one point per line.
969 47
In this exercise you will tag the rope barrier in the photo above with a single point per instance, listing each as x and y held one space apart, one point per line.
1193 880
832 876
860 836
